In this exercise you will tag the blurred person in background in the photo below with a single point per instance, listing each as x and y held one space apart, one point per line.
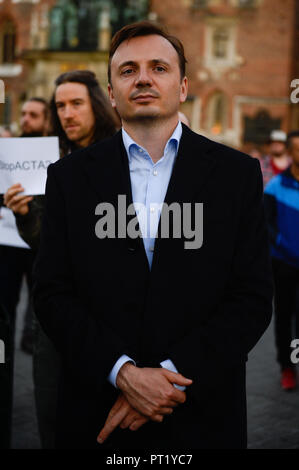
81 115
255 153
5 132
282 208
277 159
17 262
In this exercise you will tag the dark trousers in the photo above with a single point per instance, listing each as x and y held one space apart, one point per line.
286 290
6 379
14 264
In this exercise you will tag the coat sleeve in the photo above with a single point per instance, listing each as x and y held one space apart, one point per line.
87 347
29 225
245 310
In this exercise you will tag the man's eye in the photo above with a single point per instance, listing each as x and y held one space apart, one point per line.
159 68
127 72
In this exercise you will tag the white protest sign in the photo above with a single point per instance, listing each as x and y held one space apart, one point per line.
9 234
25 160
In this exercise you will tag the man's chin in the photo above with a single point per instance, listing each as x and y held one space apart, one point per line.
32 134
72 136
145 115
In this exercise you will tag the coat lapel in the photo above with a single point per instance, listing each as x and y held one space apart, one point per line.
192 168
107 170
191 172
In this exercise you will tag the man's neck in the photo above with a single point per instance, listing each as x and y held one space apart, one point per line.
152 135
295 171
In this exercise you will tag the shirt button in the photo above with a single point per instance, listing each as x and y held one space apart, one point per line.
151 248
155 172
152 209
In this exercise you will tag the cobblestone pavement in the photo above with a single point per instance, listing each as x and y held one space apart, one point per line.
273 415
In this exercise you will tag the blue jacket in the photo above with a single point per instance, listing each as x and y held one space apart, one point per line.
282 209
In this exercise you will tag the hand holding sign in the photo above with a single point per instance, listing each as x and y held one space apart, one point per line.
15 201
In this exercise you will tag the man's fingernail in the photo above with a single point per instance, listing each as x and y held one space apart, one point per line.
100 440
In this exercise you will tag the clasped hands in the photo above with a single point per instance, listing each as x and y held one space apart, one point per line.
146 394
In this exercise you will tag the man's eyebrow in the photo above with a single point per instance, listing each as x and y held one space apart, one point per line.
160 61
128 62
152 61
74 99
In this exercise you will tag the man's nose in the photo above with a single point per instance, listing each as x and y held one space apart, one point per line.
25 121
68 112
143 78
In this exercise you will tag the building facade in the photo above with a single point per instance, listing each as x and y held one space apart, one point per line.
40 39
243 56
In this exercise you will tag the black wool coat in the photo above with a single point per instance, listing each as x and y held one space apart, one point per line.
204 309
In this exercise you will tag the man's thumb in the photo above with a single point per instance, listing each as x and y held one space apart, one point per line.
179 379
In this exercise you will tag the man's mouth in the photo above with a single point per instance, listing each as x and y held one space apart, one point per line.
144 98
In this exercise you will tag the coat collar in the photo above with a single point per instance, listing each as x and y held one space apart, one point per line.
107 168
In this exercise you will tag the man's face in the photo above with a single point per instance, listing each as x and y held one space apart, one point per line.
33 119
294 150
75 112
145 79
277 149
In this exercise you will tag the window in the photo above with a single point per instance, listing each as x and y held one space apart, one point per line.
200 3
7 42
217 114
247 3
220 43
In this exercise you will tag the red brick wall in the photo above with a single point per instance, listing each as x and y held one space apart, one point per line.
265 40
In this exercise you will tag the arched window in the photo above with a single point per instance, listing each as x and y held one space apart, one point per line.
7 42
217 114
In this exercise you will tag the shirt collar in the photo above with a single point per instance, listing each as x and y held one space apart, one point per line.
129 143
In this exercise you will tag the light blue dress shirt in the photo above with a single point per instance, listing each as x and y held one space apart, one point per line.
149 182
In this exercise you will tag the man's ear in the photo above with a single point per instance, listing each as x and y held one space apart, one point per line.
111 96
184 90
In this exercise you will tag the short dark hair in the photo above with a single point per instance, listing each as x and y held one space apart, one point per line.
291 136
146 28
42 101
105 120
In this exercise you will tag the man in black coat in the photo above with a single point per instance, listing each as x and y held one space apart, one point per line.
153 322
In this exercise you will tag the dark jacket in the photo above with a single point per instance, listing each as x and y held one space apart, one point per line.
282 210
29 225
204 309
